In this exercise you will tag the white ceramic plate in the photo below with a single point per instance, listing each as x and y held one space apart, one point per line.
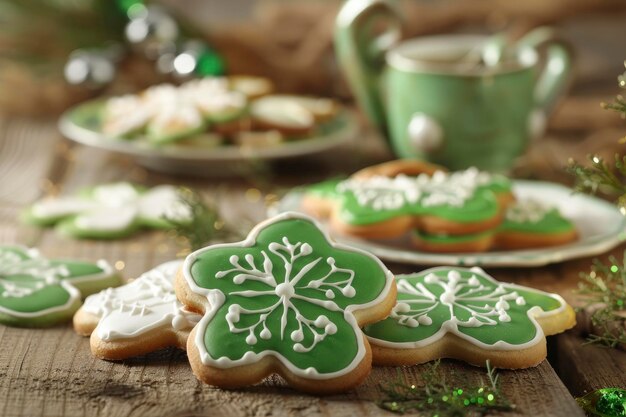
600 225
82 124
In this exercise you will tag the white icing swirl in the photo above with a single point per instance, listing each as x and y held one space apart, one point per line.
385 193
143 305
527 211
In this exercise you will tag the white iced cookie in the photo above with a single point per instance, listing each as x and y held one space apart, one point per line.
175 121
253 87
322 108
125 115
110 211
214 99
137 318
282 113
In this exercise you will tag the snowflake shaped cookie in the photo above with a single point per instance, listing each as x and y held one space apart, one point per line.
137 318
36 292
286 300
110 211
465 314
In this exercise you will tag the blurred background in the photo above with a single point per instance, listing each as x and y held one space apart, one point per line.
290 42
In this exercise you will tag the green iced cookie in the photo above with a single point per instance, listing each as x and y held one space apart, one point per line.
37 292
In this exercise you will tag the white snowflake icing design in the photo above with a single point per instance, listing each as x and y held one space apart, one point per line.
141 305
40 269
486 305
385 193
286 288
527 211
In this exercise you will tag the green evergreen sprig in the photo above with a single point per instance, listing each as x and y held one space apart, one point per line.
206 224
604 286
604 289
619 104
601 175
438 398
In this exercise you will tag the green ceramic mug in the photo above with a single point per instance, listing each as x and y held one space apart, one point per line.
434 102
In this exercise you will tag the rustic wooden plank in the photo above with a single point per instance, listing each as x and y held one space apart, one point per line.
582 367
585 368
26 149
51 372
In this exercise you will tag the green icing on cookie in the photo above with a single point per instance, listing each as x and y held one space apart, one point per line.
34 289
464 196
465 302
325 189
532 217
286 292
450 239
525 216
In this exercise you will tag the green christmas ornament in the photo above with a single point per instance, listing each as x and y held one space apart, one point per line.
210 63
605 402
127 6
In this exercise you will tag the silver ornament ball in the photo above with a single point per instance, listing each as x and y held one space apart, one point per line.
153 32
89 68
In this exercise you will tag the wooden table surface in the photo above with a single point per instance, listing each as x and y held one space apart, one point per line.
50 372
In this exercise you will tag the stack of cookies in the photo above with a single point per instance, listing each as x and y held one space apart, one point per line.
286 300
463 211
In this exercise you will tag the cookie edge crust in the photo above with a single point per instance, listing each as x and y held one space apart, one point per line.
148 342
209 301
458 346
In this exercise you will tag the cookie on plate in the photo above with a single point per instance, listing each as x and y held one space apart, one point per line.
286 300
252 86
377 207
531 224
459 313
137 318
408 167
527 224
110 211
38 292
283 114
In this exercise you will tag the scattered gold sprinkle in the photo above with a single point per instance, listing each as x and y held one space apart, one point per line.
271 198
253 195
49 187
218 224
119 265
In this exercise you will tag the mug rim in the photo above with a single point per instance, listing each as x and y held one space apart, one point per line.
397 57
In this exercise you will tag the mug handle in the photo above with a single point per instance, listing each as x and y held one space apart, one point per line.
360 47
556 74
